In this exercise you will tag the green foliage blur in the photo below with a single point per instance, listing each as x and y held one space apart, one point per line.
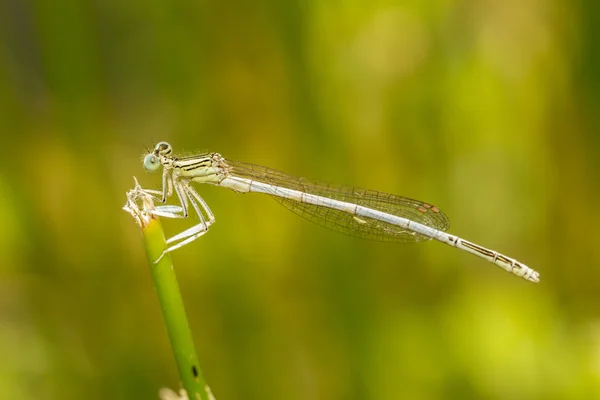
488 109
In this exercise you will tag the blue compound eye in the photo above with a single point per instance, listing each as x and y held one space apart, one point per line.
151 162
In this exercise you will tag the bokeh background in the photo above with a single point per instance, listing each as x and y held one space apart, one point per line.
489 109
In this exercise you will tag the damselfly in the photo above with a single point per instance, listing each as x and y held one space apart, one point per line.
358 212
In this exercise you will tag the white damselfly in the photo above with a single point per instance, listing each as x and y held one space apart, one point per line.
358 212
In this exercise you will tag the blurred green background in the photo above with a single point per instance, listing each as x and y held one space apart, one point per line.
488 109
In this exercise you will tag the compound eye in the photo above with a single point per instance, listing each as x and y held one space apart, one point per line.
151 162
162 148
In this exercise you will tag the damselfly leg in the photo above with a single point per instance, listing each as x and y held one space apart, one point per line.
187 195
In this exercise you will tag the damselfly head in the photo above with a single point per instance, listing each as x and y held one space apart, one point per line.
152 161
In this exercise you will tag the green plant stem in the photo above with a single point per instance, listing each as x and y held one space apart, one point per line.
173 310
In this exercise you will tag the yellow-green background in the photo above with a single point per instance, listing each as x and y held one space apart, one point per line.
488 109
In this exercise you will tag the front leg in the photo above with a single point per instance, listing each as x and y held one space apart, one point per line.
167 185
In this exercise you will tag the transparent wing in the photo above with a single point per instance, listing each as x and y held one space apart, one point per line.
344 222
